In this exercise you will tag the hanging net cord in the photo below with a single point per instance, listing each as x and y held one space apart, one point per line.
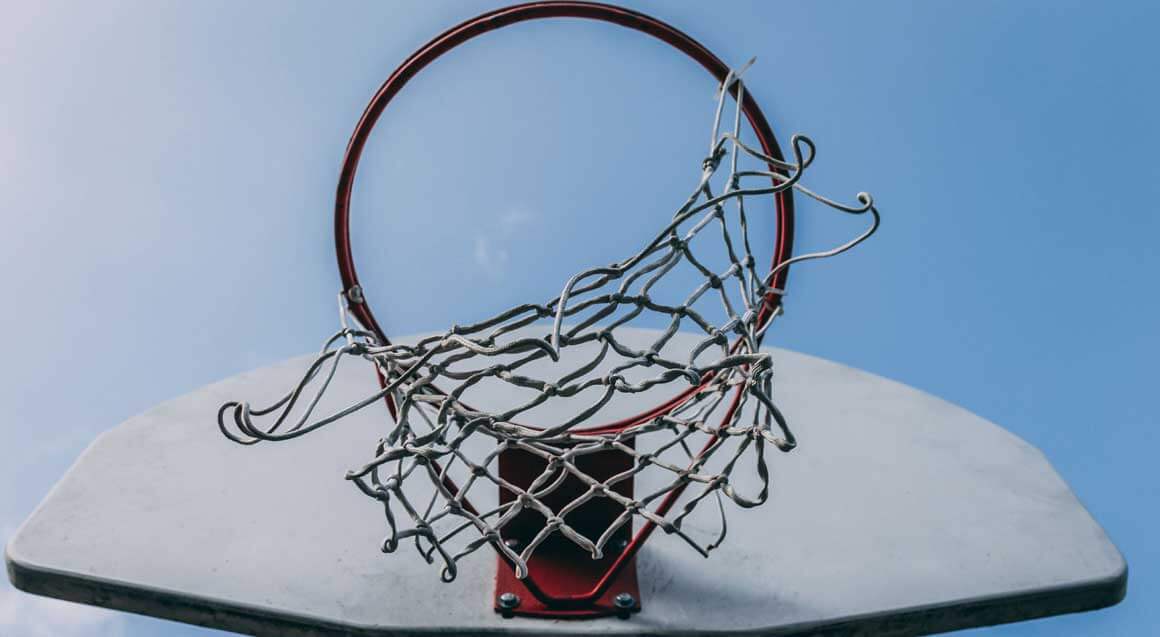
725 387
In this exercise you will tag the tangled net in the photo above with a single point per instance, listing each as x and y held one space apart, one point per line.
726 398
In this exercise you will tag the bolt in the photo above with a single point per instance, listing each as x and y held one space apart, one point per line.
624 603
508 602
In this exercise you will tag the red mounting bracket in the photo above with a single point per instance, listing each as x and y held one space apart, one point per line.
561 575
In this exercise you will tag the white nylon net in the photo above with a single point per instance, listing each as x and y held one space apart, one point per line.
721 406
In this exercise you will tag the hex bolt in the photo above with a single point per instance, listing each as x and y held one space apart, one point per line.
507 603
624 603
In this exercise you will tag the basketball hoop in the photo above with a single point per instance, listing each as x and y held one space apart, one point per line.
562 527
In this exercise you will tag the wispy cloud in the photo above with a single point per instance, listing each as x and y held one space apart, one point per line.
490 251
515 217
491 258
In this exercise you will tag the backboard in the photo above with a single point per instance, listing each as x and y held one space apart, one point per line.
898 514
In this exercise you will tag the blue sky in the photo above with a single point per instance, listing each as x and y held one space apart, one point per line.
168 173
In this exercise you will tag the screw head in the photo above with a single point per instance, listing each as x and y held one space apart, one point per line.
624 601
509 600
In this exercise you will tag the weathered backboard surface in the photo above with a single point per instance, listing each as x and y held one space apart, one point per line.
899 513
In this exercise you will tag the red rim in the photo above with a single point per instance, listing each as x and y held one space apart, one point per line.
360 306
